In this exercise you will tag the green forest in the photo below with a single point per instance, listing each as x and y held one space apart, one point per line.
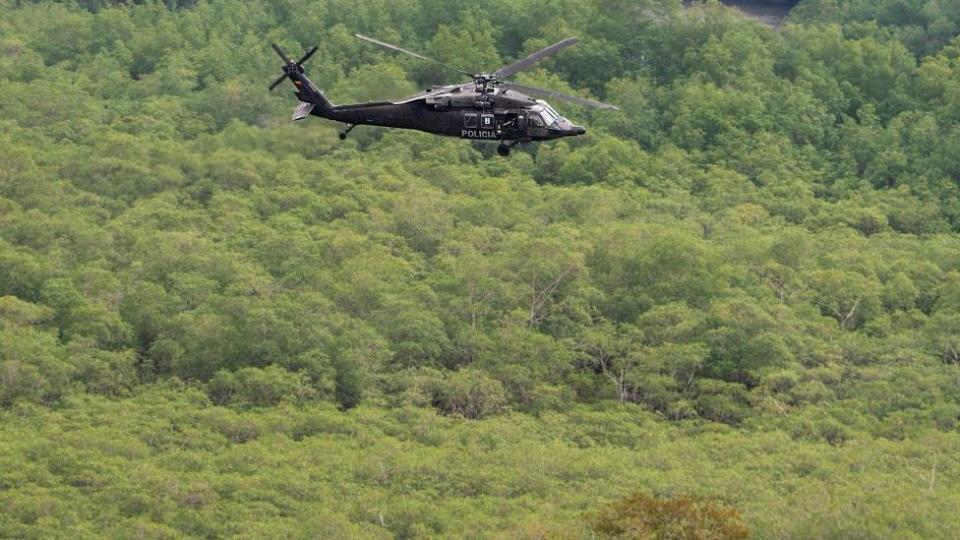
731 309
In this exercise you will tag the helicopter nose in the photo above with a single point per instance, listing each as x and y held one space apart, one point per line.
568 129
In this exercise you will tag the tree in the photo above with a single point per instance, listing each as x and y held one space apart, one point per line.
848 297
348 382
470 393
616 354
943 334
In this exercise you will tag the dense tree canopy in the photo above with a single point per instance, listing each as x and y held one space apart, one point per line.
743 286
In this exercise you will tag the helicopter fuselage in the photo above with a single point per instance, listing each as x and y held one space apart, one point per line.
502 116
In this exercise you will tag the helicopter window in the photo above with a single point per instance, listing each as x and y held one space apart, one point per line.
487 121
549 115
536 120
470 120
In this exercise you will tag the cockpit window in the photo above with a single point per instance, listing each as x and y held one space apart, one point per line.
551 109
546 112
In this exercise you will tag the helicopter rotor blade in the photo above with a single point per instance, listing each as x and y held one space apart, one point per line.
278 81
281 53
307 56
523 64
411 53
286 60
550 94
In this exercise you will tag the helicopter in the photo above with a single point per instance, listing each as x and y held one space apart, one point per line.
485 108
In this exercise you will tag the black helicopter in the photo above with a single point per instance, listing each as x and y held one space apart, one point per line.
486 108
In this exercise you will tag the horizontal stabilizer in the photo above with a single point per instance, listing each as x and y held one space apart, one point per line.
303 110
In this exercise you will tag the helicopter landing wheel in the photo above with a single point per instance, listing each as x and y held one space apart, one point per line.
503 150
343 134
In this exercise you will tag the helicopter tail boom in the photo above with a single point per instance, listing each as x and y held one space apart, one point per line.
309 93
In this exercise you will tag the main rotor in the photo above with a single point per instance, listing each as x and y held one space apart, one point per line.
485 83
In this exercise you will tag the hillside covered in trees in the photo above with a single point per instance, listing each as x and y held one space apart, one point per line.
743 287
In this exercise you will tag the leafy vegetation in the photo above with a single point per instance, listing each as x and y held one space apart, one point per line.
738 297
643 516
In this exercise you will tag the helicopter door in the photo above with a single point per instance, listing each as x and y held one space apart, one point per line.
470 120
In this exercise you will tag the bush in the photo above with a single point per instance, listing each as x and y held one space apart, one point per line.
19 381
470 393
259 387
348 383
32 366
642 516
721 401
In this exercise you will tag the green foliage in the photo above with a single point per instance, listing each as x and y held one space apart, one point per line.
642 516
259 387
922 25
471 394
168 461
348 383
743 286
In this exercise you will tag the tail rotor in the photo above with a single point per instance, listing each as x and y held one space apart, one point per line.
289 66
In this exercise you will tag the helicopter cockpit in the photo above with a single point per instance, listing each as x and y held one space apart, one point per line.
542 113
